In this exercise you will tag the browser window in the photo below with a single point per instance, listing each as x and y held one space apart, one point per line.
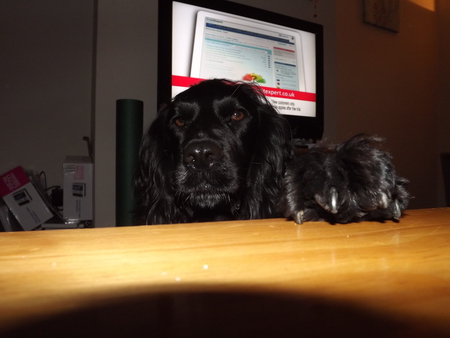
238 50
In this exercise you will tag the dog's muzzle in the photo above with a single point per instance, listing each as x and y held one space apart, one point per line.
202 155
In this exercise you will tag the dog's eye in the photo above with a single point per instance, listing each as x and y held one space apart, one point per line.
237 115
180 122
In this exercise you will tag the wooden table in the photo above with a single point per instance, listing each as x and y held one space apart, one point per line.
253 278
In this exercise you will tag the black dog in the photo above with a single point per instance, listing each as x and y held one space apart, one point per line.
220 151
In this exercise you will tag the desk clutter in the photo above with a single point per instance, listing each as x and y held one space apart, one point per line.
24 199
27 206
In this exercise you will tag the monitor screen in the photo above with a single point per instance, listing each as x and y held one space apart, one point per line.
201 40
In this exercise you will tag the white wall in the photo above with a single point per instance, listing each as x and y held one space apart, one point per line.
45 83
126 68
388 85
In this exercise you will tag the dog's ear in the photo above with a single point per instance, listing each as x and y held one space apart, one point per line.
153 187
270 148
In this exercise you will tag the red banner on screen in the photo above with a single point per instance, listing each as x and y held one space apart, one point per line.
184 81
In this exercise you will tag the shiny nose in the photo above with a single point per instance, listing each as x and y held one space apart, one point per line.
202 155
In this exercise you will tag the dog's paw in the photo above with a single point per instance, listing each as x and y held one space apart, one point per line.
373 189
355 181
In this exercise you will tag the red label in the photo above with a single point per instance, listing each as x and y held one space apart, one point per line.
13 180
184 81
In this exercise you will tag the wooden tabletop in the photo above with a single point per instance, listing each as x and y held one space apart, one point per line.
263 277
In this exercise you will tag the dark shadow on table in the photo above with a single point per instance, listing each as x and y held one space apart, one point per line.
221 314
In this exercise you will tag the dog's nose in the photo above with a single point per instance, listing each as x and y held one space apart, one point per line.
202 155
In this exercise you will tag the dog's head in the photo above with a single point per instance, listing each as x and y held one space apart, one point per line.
208 154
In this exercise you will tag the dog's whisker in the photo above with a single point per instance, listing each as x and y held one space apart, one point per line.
236 89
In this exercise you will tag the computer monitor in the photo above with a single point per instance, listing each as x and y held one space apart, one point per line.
199 40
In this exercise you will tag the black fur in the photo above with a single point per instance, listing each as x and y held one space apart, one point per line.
220 151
